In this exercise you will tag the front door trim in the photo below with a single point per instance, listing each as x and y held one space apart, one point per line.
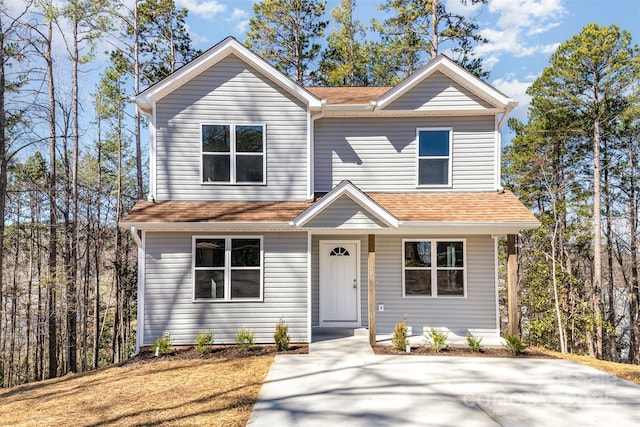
358 321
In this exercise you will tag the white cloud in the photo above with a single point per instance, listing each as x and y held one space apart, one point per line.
519 21
238 14
207 9
515 89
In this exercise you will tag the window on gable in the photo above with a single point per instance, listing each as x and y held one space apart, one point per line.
434 157
233 154
433 268
227 268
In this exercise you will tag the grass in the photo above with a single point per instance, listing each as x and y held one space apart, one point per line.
622 370
192 392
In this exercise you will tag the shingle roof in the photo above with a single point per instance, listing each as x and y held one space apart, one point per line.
480 208
173 211
349 95
491 207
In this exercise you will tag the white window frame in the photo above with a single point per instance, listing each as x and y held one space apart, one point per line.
227 268
232 153
434 268
449 157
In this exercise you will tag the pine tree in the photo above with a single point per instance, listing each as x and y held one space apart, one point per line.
425 28
345 60
285 33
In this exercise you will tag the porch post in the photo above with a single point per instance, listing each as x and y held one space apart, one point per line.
512 286
371 269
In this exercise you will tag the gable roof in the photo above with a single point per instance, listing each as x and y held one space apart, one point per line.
346 188
226 47
455 72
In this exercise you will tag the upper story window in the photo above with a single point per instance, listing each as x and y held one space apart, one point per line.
434 157
233 154
433 268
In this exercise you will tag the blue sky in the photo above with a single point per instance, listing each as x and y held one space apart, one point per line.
522 33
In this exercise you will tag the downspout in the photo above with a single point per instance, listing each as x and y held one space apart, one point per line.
312 137
140 310
510 106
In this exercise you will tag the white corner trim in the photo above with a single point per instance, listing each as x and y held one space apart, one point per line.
355 194
141 283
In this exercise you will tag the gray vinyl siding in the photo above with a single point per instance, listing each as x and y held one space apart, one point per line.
230 92
168 292
476 311
344 213
438 92
315 275
379 154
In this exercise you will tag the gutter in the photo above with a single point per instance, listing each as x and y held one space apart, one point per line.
509 108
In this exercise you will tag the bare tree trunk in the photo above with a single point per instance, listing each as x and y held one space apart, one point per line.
136 89
596 293
53 215
611 312
435 21
3 176
632 290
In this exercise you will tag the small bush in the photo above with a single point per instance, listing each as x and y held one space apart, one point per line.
473 342
281 336
514 344
437 339
203 342
245 338
162 345
399 338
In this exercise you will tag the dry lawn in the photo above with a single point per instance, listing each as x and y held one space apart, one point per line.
165 391
622 370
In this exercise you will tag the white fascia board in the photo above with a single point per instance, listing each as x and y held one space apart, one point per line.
346 188
225 48
494 228
207 226
452 70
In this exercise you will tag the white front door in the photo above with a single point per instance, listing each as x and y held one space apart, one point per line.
339 283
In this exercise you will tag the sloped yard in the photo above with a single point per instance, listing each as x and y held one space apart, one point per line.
173 390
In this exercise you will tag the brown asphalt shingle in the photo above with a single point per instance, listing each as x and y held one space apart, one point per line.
349 95
471 208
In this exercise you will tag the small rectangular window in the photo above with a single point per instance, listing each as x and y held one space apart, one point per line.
233 154
434 157
420 277
227 268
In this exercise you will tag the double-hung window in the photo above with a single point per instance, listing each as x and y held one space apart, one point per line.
227 268
434 157
233 153
433 268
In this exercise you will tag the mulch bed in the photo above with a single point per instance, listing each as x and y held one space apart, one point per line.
218 352
461 352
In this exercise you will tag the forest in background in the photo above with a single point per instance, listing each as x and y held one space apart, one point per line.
69 171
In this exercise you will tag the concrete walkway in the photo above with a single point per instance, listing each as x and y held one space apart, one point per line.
341 382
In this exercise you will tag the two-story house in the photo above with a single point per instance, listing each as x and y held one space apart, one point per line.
349 206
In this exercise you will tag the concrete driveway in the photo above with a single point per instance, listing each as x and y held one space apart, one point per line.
340 382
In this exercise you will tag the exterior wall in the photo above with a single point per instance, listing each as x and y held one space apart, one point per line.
379 154
344 213
168 304
315 275
230 91
477 311
438 92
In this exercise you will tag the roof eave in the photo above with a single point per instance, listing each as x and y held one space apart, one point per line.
205 225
